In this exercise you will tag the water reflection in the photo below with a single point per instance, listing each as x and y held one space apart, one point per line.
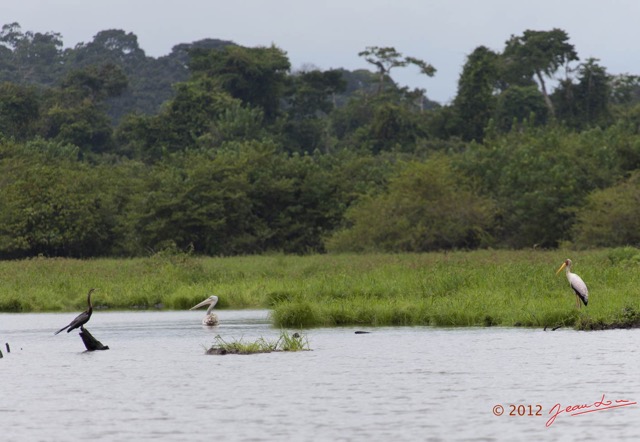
395 383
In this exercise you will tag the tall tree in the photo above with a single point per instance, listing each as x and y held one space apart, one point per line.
587 102
256 76
34 57
475 101
309 102
75 113
539 54
387 58
115 44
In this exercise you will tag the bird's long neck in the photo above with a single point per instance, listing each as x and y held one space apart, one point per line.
210 308
90 307
567 271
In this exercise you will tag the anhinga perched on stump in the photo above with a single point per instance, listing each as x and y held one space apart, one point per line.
89 341
82 318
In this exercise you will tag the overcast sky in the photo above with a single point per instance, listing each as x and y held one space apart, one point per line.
330 33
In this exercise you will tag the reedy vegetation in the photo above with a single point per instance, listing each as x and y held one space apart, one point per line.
479 288
285 342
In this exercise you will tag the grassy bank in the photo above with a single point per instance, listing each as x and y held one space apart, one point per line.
480 288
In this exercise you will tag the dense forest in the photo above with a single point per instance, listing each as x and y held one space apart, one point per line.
220 149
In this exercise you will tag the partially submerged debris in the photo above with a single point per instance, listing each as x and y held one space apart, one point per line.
90 342
286 342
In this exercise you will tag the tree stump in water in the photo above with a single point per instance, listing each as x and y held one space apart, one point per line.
90 342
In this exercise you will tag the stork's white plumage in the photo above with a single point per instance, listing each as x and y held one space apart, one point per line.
576 283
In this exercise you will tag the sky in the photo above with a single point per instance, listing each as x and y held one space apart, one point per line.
330 33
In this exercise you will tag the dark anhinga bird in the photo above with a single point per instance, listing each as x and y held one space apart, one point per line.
82 318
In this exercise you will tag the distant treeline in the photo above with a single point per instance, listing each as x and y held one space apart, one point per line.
223 150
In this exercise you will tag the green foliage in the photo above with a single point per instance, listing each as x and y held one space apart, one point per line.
186 120
19 111
311 92
246 198
586 103
53 205
286 342
475 101
51 210
235 123
427 207
74 113
83 125
245 157
189 115
624 255
611 216
538 178
255 76
479 288
308 105
300 314
96 82
385 122
492 288
387 58
32 57
519 105
539 54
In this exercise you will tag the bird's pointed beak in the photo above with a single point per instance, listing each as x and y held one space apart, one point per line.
202 304
564 264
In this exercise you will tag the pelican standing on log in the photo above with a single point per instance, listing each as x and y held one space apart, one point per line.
576 283
210 319
82 318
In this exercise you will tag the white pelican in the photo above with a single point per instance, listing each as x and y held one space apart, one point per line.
576 283
209 319
82 318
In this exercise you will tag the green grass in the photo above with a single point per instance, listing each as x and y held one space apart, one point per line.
482 288
286 342
478 288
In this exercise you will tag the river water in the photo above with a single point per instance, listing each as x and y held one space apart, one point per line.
410 383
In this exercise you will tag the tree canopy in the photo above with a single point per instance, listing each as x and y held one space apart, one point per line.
221 149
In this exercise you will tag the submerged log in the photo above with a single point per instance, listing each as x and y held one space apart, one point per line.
554 328
90 342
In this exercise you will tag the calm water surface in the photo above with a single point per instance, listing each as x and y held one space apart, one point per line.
418 383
